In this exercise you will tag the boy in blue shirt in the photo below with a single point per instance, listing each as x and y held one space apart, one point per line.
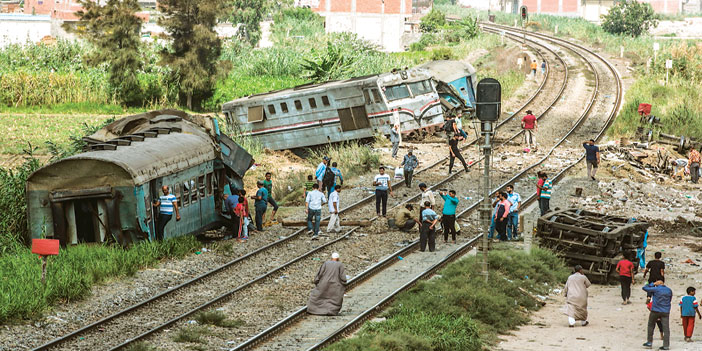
688 309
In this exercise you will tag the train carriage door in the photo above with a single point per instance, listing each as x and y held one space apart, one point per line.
353 118
154 195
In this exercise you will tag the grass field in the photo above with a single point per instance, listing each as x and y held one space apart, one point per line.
21 129
458 310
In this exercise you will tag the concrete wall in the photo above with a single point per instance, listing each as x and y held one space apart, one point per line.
21 28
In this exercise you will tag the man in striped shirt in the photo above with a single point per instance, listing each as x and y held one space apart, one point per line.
166 204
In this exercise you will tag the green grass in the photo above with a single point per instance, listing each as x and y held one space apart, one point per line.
72 273
191 334
217 318
20 129
73 108
141 346
459 311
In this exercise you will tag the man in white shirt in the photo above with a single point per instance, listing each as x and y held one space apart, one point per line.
427 195
314 201
383 186
334 206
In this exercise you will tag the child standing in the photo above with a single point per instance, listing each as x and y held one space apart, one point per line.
688 308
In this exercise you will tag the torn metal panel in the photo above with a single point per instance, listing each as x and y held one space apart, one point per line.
592 240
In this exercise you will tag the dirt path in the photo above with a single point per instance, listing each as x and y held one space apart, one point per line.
614 326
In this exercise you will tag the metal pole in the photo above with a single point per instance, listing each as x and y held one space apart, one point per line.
486 212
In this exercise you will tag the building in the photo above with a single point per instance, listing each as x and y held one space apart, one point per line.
17 28
588 9
379 21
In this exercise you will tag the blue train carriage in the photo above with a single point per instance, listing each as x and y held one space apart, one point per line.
107 192
337 111
455 82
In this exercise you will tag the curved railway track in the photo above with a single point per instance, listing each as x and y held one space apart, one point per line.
519 177
141 316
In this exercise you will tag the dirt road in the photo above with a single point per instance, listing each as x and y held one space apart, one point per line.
614 326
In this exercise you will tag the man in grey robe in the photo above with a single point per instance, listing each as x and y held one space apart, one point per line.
576 297
328 295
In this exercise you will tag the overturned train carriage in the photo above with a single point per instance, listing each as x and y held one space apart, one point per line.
356 108
594 241
107 191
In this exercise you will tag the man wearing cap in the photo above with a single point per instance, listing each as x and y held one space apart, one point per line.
409 163
261 204
330 284
321 169
530 126
576 297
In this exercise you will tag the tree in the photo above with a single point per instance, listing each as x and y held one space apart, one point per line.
248 15
193 54
330 65
629 17
432 22
115 30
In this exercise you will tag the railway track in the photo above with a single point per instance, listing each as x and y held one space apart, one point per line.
141 317
354 323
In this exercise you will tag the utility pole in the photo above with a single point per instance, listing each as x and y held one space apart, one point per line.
523 12
488 108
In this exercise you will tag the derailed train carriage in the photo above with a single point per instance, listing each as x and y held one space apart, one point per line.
107 191
356 108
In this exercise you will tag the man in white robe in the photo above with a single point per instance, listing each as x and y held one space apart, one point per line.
576 297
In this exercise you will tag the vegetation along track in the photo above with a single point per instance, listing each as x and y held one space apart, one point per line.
185 299
521 177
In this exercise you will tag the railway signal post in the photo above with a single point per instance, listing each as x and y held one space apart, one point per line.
524 15
488 105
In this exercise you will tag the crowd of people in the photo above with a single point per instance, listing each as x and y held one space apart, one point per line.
659 297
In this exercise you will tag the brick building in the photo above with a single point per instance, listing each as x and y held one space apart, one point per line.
379 21
588 9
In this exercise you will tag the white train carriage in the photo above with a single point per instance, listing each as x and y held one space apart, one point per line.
337 111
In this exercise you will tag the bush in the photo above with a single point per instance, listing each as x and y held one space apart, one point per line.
432 21
442 54
13 206
630 18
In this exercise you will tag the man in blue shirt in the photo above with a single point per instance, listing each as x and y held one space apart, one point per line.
513 218
166 204
337 175
660 309
448 215
261 204
321 169
426 233
592 157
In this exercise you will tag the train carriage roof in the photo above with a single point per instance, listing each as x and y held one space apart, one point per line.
448 70
161 144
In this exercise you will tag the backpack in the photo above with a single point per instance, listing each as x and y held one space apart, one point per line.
328 178
448 126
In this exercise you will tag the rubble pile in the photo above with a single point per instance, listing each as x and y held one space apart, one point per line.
592 240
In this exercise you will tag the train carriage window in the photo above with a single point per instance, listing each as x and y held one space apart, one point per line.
298 105
366 95
193 190
186 193
209 184
313 102
215 182
271 109
284 107
202 186
376 96
325 100
396 92
420 88
255 114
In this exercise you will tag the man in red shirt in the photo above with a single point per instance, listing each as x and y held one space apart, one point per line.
626 276
530 127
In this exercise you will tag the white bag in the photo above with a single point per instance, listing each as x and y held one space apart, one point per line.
399 173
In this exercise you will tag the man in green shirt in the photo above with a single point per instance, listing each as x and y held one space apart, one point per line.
268 184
